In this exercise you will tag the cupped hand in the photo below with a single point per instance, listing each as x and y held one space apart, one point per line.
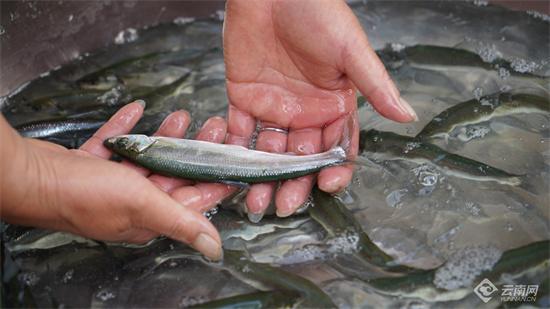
81 191
295 65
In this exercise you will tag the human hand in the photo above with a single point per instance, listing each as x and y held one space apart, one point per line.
82 192
294 65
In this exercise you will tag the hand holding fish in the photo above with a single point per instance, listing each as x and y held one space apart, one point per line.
107 200
295 65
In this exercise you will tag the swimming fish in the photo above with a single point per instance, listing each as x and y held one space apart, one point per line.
48 128
403 147
273 277
337 219
487 107
218 162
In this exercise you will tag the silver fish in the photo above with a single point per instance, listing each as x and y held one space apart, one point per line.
218 162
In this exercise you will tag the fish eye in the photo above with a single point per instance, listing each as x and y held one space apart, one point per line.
123 142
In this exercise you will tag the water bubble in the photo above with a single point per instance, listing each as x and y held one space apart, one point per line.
345 243
473 208
68 275
14 16
426 174
126 36
478 93
524 66
473 132
180 21
539 15
488 53
2 30
481 2
188 301
29 279
219 15
397 47
509 227
210 213
113 96
465 265
411 146
105 295
71 17
503 73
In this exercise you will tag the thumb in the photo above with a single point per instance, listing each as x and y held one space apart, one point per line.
162 214
366 71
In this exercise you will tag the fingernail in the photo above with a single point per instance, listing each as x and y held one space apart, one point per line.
408 108
141 102
208 246
255 218
284 213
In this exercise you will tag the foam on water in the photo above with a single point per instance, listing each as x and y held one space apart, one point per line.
539 15
126 36
465 265
346 243
183 20
524 66
469 133
112 97
105 295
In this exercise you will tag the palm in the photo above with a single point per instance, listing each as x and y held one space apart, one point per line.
295 65
284 77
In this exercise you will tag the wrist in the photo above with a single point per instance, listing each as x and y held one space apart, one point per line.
27 187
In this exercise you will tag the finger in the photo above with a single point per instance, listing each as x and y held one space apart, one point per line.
297 105
335 179
240 126
293 193
366 71
159 213
213 130
202 196
175 125
260 195
121 122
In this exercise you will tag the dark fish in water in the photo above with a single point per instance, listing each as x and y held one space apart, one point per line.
258 300
206 161
486 108
441 58
336 219
124 72
399 147
48 128
276 278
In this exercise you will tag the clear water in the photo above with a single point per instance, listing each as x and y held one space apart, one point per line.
423 214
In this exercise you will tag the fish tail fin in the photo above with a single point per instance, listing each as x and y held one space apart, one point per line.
345 141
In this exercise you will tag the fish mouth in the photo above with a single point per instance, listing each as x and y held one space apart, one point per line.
110 142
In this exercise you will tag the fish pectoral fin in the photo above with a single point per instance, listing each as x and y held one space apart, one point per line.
242 185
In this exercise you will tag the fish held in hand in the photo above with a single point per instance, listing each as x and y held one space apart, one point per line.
207 161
